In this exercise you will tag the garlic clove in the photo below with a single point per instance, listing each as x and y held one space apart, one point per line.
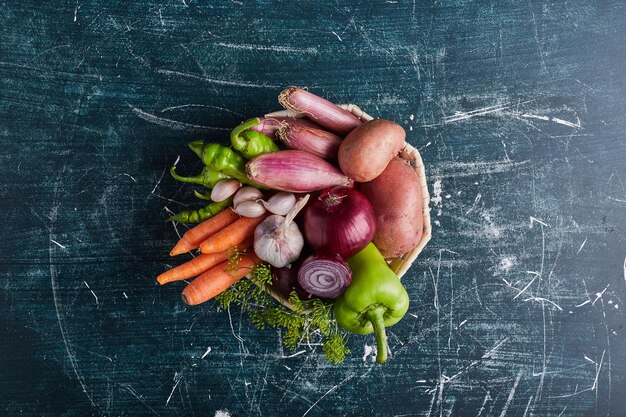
247 194
224 189
250 209
280 203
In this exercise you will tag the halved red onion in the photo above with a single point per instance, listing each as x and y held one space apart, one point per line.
328 114
340 220
326 276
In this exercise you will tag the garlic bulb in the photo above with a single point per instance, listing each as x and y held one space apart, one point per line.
224 189
250 209
278 240
280 203
246 194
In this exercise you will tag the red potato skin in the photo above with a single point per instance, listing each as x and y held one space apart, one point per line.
396 195
366 151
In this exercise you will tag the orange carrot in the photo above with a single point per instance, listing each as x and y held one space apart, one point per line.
193 237
199 264
231 235
217 279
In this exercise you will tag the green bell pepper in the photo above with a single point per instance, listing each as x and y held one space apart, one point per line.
222 159
374 299
251 143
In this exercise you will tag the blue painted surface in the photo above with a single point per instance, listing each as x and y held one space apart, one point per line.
518 110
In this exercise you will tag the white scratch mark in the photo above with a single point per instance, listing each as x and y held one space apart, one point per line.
125 296
177 378
561 413
208 350
222 413
624 269
436 199
528 406
173 124
184 106
505 152
598 369
327 392
599 295
551 119
131 177
582 245
301 352
55 297
590 360
215 80
583 303
541 300
526 287
271 48
511 394
57 243
535 220
76 10
478 112
482 407
92 293
141 400
338 37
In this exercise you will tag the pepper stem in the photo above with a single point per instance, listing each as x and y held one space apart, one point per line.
237 141
192 180
375 316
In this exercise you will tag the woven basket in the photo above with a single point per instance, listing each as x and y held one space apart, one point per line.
401 264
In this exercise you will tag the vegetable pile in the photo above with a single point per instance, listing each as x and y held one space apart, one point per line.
309 210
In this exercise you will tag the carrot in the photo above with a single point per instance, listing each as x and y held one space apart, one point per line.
231 235
199 264
217 279
193 237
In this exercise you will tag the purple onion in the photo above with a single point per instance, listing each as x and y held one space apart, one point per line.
315 141
269 125
326 276
294 171
340 220
327 114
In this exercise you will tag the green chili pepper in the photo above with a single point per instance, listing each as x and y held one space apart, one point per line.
208 177
251 143
374 299
201 196
222 159
200 215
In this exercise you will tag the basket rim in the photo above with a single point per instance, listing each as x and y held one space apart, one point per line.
401 264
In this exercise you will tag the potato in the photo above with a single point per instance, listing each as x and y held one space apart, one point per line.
396 195
367 150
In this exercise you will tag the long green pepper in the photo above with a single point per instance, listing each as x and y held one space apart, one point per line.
208 177
222 159
251 143
202 214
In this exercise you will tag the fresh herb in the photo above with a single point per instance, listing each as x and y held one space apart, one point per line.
311 321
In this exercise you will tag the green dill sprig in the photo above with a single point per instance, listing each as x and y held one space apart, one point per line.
310 321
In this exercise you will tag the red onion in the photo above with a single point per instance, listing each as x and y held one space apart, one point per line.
294 171
285 280
340 220
325 276
269 125
316 141
327 114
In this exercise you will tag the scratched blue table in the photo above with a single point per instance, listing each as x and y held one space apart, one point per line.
518 109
